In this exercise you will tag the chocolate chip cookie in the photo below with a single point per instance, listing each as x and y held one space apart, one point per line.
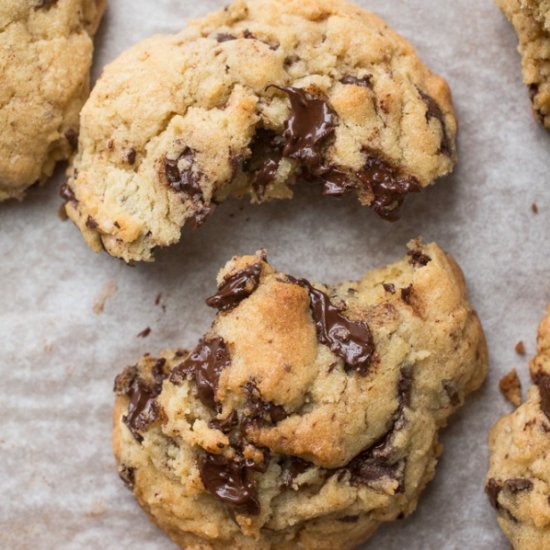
244 102
531 19
307 414
45 57
518 483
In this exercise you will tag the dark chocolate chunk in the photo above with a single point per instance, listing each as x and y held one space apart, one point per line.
434 111
91 223
518 485
199 216
388 186
66 193
311 124
260 411
227 425
404 386
543 383
450 389
186 180
389 287
350 340
230 481
406 294
266 154
365 471
131 156
72 137
292 468
236 288
365 81
143 408
493 490
127 474
204 364
418 258
225 37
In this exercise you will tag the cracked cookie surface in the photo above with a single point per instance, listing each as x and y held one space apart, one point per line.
518 482
308 414
45 57
244 102
531 20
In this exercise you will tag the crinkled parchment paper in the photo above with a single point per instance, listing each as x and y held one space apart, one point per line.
58 484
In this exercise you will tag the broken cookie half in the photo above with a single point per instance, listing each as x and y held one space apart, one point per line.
518 482
307 414
245 102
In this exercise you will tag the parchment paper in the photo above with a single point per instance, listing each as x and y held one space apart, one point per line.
58 484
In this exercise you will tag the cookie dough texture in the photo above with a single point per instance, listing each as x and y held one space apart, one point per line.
323 421
518 482
531 20
45 57
179 123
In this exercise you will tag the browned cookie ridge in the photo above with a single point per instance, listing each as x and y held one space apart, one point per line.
308 414
246 102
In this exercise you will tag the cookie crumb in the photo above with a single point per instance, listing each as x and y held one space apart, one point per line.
145 332
520 348
62 213
535 208
108 291
510 387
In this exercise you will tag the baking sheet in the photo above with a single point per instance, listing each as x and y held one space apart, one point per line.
58 484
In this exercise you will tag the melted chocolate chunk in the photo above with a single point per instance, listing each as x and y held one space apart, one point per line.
186 180
236 288
365 81
365 471
66 193
205 365
292 468
418 259
260 411
143 408
434 111
225 37
543 383
350 340
387 185
227 425
230 481
263 164
406 294
493 490
518 485
389 287
336 183
312 122
72 137
91 223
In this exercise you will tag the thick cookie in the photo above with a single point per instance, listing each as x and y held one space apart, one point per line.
45 56
245 101
518 483
308 414
531 19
